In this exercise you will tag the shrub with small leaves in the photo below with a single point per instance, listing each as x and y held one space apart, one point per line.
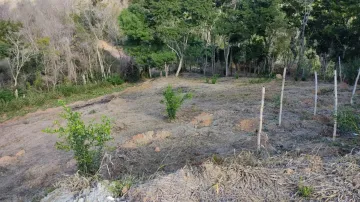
115 80
214 78
348 120
86 141
304 191
236 75
174 100
207 80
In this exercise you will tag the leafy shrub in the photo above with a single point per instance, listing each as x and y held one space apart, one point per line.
348 121
87 142
174 100
236 75
350 70
6 95
115 80
207 80
304 191
119 188
214 78
67 89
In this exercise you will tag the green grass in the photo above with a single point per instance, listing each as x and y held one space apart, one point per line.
260 80
35 100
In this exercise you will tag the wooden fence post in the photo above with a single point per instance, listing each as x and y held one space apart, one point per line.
282 96
336 105
316 93
354 90
261 119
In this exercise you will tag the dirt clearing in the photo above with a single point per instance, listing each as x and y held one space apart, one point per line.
219 120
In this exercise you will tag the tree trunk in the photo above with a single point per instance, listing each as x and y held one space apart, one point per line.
180 65
206 58
340 72
166 70
354 90
226 55
150 73
101 63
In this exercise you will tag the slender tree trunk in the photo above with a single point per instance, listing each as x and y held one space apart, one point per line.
206 58
166 70
226 55
180 65
302 38
354 90
282 96
261 119
316 93
102 69
336 104
150 72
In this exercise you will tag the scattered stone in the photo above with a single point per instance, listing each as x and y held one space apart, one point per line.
279 76
202 120
157 149
249 125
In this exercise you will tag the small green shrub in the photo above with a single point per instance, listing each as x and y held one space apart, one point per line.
115 80
277 100
67 89
120 187
207 80
174 100
6 95
236 75
86 141
214 78
348 120
304 191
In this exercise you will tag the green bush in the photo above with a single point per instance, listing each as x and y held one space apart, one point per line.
207 80
6 95
350 70
214 78
348 120
67 89
174 100
236 75
86 141
115 80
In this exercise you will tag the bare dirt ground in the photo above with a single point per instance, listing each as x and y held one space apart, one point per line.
220 120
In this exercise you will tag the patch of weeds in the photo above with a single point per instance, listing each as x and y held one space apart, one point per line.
115 80
305 116
120 187
323 91
214 78
304 191
259 80
217 159
277 100
93 111
86 141
207 80
236 75
173 100
348 120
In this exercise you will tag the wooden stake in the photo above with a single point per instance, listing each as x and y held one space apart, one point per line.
261 119
354 90
336 104
282 96
316 93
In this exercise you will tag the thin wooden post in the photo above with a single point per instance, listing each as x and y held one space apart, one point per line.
261 119
336 105
282 96
316 93
354 90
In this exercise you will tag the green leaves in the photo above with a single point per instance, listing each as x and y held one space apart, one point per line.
173 101
86 141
